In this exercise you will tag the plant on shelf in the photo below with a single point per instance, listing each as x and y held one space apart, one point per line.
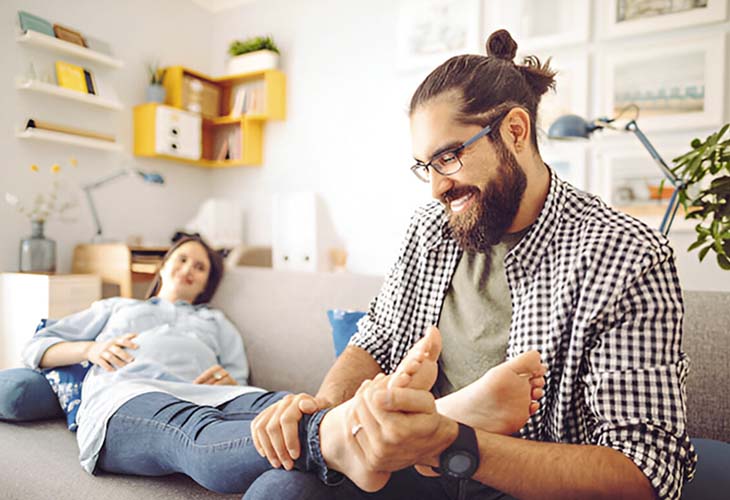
155 90
253 44
709 160
253 54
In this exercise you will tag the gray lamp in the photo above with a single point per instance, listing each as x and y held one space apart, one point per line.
569 127
153 178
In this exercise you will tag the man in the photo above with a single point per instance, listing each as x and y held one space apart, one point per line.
509 259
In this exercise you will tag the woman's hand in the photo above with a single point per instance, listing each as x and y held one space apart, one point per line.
112 354
215 375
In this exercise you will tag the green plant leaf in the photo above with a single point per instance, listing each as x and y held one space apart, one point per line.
723 262
703 252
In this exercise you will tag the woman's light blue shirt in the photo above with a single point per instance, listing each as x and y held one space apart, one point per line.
177 342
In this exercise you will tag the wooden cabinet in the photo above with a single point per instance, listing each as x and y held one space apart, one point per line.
27 298
233 111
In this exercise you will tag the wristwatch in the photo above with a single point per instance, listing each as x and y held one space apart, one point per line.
461 459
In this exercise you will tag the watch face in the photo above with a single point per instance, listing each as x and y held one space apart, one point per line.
460 463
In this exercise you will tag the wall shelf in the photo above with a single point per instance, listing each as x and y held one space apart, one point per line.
35 39
50 136
55 90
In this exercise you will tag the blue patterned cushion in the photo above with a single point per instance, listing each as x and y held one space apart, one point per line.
66 382
344 326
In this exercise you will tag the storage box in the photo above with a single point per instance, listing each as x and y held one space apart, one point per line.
200 96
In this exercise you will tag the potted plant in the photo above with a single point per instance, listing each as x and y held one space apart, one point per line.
705 171
253 54
155 90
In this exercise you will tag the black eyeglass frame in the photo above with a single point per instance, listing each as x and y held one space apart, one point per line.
424 167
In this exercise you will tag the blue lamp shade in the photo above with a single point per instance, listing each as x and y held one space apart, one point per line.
571 127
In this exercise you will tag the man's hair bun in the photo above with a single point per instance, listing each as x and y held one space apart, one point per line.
501 45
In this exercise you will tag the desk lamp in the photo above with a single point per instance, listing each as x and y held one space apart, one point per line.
569 127
153 178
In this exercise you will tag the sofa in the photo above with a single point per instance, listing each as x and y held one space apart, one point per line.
282 318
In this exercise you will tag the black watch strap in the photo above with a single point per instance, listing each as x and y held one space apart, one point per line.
461 459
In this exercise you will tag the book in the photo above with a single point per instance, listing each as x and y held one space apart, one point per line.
89 82
53 127
35 23
223 151
71 76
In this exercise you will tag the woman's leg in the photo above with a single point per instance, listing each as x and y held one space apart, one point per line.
157 434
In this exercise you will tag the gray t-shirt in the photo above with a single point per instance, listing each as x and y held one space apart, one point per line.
475 317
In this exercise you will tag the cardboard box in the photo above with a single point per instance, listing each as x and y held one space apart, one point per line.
200 96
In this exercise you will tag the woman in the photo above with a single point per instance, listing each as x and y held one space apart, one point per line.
168 390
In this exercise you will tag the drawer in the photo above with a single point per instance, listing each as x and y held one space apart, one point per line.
177 133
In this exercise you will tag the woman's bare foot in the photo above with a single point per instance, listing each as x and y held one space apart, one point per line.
418 370
503 399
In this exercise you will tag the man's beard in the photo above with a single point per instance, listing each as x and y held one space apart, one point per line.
494 208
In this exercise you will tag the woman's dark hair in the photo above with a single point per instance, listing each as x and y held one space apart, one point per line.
490 84
215 273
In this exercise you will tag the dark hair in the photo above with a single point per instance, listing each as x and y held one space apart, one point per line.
215 273
490 84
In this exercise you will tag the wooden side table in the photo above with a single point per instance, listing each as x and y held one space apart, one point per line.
118 264
27 298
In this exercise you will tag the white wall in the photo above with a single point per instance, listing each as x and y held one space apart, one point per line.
346 134
138 31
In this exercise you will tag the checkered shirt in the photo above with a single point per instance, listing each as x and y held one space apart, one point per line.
597 293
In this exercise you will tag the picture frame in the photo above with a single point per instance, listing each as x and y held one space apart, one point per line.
677 86
627 178
539 24
632 17
431 31
68 35
569 159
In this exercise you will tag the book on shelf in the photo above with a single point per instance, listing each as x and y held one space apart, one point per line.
252 98
64 129
239 100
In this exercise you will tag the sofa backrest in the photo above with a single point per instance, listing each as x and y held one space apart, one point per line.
282 318
707 342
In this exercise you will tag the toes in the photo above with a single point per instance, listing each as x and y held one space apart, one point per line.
534 406
526 363
537 382
537 393
434 346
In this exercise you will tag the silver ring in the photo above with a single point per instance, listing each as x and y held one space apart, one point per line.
217 376
356 428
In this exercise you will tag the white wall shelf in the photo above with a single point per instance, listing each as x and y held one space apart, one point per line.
55 90
87 142
35 39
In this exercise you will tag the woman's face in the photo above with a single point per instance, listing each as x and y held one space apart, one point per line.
185 273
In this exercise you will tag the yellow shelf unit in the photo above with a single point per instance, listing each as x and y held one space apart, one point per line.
251 126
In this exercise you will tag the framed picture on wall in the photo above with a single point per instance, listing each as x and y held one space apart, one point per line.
431 31
630 17
536 24
569 159
677 86
629 180
571 87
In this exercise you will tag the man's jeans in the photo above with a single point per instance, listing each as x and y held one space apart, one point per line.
157 434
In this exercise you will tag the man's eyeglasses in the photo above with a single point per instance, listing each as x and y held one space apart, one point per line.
449 162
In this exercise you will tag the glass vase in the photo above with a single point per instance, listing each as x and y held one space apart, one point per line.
37 253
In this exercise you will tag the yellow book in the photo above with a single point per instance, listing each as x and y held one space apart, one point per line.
71 76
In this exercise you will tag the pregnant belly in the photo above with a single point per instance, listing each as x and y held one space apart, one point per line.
180 355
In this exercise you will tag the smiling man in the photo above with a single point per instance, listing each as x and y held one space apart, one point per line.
508 259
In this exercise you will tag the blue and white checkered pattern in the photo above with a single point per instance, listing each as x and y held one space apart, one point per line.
596 292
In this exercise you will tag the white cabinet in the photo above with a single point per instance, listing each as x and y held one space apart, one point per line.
26 298
177 133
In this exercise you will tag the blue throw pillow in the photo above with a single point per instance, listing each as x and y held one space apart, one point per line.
344 326
26 395
66 382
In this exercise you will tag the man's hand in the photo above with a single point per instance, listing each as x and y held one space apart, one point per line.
400 426
215 375
275 430
112 354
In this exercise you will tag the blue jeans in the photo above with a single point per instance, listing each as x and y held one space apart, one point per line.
404 484
156 434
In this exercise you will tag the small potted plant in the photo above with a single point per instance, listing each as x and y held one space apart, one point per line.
705 171
155 90
253 54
